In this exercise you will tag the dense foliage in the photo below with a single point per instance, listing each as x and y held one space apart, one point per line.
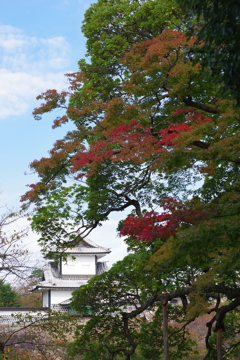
153 133
8 296
219 31
127 304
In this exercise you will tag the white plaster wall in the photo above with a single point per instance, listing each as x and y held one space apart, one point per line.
82 265
57 296
45 298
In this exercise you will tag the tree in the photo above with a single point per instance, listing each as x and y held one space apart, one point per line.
153 133
27 298
127 314
15 259
219 30
9 297
37 336
16 262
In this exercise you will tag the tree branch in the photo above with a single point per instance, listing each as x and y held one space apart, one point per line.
189 102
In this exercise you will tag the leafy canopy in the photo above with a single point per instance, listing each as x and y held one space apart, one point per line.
8 296
219 30
155 135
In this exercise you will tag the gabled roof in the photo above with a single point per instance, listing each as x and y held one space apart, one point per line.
65 302
87 246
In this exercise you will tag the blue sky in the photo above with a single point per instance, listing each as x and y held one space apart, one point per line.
40 41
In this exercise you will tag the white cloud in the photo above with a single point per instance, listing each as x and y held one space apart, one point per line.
11 38
19 51
19 89
28 66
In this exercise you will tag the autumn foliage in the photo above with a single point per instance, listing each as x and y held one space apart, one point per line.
155 134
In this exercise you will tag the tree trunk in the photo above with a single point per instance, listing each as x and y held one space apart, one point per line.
2 347
219 344
165 331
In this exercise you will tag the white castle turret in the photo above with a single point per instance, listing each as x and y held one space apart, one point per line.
73 270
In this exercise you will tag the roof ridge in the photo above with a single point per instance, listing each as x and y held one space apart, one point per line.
93 244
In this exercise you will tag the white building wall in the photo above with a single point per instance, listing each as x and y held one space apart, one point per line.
57 296
81 265
45 298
